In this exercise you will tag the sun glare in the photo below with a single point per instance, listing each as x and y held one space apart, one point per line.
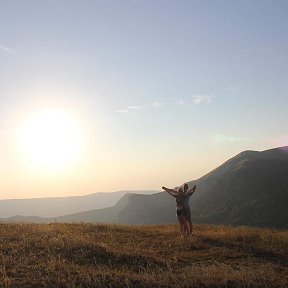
51 139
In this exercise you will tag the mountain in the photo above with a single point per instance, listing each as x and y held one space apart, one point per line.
156 208
57 206
249 189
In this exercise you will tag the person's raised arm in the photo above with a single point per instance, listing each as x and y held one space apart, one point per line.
191 191
172 192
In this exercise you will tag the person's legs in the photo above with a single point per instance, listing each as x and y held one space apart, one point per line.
190 225
182 225
186 227
189 221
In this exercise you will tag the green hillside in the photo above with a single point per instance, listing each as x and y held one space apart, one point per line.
88 255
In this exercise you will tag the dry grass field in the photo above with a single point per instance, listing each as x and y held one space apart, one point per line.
86 255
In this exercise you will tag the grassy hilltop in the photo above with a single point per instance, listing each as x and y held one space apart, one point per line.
87 255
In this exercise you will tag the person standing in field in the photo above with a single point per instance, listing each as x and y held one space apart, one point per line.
183 212
188 194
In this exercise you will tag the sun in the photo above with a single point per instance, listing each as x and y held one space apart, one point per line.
50 139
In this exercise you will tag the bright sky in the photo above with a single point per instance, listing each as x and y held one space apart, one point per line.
114 95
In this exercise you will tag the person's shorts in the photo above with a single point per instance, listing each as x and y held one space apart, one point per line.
180 212
184 212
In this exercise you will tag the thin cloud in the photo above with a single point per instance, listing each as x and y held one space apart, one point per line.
206 99
135 107
157 104
123 111
221 138
180 102
130 108
6 49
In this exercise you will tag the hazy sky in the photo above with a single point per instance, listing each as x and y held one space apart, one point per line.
161 92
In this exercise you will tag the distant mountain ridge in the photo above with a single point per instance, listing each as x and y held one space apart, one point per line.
131 209
249 189
58 206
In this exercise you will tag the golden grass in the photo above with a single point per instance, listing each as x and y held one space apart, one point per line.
87 255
